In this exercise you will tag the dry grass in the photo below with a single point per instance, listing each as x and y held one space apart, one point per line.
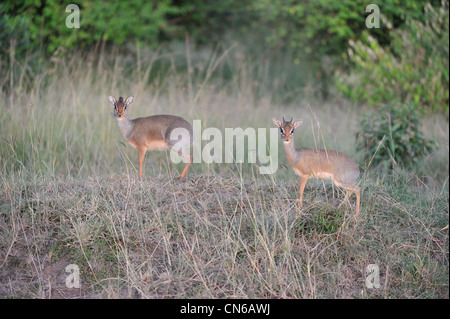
70 194
214 236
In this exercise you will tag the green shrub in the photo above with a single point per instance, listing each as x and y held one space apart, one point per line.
112 22
392 136
414 68
14 35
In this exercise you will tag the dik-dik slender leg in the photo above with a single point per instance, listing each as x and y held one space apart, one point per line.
303 180
346 197
141 156
186 167
350 190
357 191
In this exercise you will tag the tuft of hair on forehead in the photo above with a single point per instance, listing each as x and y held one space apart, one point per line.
288 122
120 99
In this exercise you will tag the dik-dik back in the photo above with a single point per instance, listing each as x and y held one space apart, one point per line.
154 131
325 164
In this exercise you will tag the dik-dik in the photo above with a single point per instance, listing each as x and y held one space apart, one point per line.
151 132
316 163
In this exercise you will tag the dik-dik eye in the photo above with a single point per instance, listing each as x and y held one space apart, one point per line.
281 130
292 131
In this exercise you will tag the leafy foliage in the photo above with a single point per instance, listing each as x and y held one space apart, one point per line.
405 59
315 27
413 69
114 22
392 136
14 35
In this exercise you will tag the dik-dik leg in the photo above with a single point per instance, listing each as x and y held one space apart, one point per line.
141 156
303 180
186 167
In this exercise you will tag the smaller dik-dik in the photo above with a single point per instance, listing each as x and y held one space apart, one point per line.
313 163
152 132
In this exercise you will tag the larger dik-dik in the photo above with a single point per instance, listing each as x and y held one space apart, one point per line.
152 133
316 163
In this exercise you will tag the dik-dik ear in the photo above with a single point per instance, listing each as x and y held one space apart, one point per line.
129 100
276 122
112 99
298 123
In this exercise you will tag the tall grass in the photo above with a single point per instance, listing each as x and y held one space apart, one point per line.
70 192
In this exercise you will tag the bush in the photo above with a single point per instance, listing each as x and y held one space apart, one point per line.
112 22
392 136
414 68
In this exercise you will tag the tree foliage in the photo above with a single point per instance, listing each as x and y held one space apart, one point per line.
414 68
316 34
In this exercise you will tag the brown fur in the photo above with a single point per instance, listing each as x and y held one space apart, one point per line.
149 133
317 163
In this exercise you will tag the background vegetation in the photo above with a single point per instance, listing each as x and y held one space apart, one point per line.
405 59
69 189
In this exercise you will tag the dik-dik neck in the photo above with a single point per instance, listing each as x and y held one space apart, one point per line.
292 153
125 127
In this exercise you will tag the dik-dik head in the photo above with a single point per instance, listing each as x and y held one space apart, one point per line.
287 129
120 106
